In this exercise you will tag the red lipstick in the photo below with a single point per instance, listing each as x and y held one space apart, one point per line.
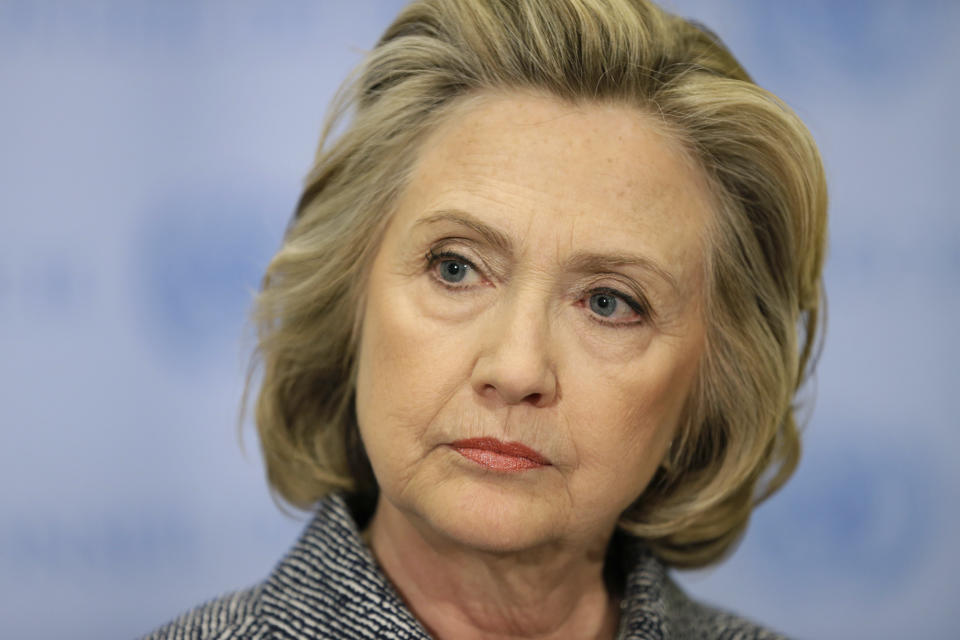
499 456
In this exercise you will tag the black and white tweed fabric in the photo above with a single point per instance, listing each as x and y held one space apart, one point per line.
329 586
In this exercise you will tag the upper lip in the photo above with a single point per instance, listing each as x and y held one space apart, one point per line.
516 449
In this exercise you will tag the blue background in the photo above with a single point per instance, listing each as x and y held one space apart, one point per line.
150 155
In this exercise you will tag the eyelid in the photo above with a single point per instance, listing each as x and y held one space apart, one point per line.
435 254
636 305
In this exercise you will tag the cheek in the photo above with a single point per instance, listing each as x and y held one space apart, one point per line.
628 415
408 368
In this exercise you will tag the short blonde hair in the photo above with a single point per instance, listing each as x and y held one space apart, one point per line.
738 441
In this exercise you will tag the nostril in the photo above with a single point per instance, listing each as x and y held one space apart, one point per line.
490 390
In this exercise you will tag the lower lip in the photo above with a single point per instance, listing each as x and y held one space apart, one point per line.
495 458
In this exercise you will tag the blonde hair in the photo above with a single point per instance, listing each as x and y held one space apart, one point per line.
738 442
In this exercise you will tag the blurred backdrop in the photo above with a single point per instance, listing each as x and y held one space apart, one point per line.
150 156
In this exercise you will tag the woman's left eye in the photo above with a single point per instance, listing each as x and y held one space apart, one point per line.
611 305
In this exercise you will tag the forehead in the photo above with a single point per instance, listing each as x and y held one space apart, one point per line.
541 169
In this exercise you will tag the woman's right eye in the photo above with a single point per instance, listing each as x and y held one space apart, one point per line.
451 269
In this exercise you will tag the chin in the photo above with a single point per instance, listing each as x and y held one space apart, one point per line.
492 514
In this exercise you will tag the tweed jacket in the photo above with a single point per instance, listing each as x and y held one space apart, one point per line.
330 586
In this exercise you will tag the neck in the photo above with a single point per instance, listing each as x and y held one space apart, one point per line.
553 591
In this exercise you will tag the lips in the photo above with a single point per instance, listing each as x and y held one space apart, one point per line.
499 456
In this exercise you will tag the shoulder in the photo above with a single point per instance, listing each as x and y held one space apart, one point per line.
654 605
689 618
234 616
327 586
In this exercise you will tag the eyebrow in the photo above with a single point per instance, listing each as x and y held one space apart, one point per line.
601 262
488 233
582 262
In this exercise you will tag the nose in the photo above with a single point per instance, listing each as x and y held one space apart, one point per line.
515 365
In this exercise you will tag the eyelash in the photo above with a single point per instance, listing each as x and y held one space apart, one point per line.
641 308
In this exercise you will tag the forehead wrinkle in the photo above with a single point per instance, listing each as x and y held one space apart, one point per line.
655 202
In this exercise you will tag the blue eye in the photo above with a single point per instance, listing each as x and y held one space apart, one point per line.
453 270
603 304
620 309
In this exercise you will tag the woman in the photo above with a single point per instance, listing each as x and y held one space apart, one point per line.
535 331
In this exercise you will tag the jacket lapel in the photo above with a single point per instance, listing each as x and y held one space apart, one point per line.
329 586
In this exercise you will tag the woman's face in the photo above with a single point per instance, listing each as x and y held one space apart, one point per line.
540 285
